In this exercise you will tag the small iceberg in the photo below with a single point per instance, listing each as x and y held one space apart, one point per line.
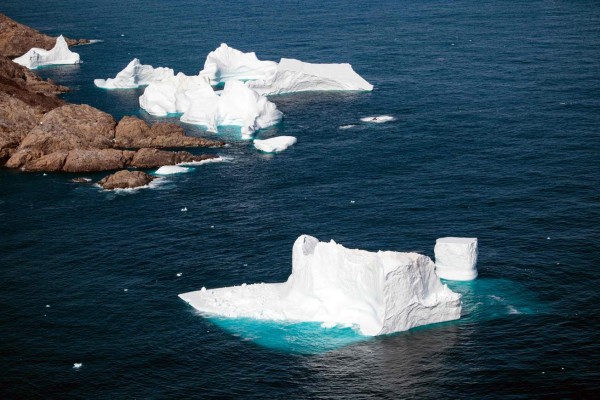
297 76
226 64
379 119
171 169
378 293
274 145
236 105
134 75
58 55
456 258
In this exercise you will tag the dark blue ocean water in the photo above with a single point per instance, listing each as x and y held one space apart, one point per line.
497 136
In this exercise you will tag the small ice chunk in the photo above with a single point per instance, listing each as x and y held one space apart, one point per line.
171 169
379 119
456 258
274 145
58 55
125 290
184 209
134 75
179 274
47 305
77 365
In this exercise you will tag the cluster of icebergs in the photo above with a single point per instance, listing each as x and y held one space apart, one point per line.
246 82
378 293
58 55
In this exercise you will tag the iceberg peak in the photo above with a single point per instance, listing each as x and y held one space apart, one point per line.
58 55
226 64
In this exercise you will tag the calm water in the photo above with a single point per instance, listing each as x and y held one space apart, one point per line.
497 136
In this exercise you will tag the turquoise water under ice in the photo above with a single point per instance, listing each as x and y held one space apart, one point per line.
497 136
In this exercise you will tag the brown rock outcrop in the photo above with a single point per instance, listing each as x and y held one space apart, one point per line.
16 39
70 127
132 132
19 82
16 120
152 158
125 179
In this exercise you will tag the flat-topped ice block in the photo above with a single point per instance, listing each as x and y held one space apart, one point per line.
379 293
456 258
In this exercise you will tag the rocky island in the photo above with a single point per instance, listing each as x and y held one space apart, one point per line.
41 132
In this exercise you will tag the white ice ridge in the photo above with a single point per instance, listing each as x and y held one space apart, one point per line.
226 63
275 144
379 293
134 75
297 76
456 258
58 55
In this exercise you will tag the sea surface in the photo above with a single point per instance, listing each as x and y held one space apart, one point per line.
496 136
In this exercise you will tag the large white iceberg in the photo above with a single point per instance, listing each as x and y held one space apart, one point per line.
134 75
58 55
275 144
297 76
236 105
379 293
194 97
175 94
226 64
456 258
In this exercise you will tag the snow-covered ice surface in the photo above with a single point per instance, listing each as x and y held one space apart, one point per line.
58 55
171 169
456 258
378 293
298 76
134 75
378 119
274 145
236 105
226 64
176 94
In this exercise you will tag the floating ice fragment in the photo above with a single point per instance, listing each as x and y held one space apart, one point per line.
58 55
297 76
456 258
125 290
171 169
134 75
379 119
352 201
77 365
47 305
179 274
184 209
380 293
274 145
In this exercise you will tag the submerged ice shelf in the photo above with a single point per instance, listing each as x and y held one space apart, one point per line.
58 55
379 293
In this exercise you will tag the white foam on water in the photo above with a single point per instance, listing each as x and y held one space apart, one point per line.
172 169
349 126
378 119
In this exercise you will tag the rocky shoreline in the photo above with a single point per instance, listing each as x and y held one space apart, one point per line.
41 132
